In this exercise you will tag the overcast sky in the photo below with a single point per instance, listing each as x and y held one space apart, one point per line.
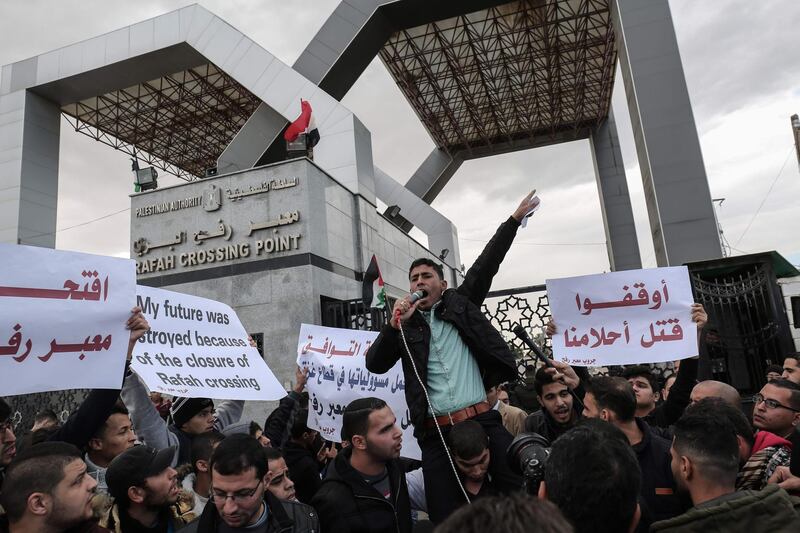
742 68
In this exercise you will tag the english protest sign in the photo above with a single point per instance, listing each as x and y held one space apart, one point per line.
197 347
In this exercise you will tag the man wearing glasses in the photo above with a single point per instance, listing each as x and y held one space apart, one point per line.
777 407
239 481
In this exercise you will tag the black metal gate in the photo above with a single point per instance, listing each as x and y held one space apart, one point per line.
748 328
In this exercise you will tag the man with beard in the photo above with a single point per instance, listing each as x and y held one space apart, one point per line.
47 490
705 462
145 492
240 500
791 367
365 490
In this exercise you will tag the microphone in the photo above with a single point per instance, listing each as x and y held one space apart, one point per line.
418 295
522 335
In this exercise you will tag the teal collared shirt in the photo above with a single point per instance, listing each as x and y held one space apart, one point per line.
454 380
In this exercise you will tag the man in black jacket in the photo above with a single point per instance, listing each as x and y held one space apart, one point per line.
301 457
365 490
559 411
240 500
613 400
454 356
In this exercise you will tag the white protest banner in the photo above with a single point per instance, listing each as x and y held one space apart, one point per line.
337 375
64 314
198 348
633 316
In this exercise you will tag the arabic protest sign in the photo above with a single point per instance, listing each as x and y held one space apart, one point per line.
198 348
65 315
633 316
337 375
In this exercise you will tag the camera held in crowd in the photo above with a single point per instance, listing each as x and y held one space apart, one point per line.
527 455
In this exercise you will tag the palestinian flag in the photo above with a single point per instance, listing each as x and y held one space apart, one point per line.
373 291
305 123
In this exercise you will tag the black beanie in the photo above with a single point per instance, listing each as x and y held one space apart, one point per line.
183 409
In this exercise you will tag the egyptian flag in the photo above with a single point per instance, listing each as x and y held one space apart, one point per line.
305 123
373 291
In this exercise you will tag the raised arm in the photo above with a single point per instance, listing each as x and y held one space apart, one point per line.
478 279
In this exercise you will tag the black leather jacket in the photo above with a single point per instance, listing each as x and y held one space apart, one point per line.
284 517
347 504
462 308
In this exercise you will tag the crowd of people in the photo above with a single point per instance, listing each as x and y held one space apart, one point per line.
613 453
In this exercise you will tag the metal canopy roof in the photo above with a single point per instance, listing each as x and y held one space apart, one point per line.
515 72
180 123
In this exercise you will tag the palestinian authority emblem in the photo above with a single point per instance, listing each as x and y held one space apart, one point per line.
212 198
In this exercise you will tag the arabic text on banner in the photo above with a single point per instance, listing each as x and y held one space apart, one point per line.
64 316
337 375
198 348
633 316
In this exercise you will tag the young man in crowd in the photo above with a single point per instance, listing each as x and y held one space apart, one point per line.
646 387
146 493
47 490
279 483
773 372
559 411
668 383
705 463
593 477
8 441
304 456
791 367
516 513
469 447
777 408
365 488
45 419
455 356
240 500
197 482
613 400
110 440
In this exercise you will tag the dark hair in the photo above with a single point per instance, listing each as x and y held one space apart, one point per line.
426 262
778 369
541 379
614 394
5 410
642 371
792 387
299 424
467 440
273 454
734 415
118 409
513 513
254 428
593 476
709 440
237 454
355 419
203 446
792 355
49 414
37 468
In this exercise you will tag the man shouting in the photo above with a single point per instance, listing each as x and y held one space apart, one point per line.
456 355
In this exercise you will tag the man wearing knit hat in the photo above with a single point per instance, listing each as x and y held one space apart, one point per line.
190 417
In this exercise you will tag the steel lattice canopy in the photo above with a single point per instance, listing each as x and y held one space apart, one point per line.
180 122
512 75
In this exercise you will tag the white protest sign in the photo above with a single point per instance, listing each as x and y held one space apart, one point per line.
64 314
337 375
198 348
633 316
